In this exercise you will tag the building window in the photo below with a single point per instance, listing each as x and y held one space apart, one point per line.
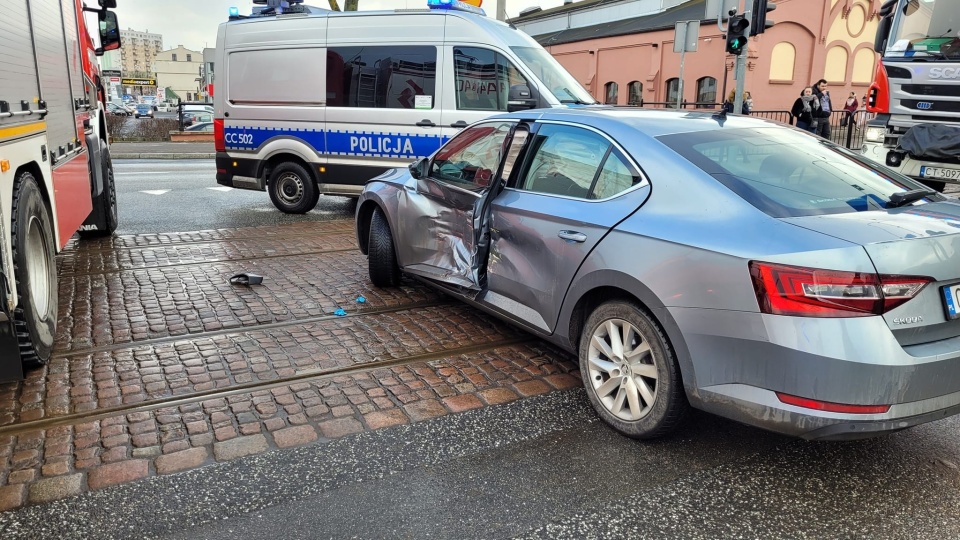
635 94
673 91
610 91
174 58
189 58
706 92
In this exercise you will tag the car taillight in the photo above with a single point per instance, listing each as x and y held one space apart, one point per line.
218 142
811 292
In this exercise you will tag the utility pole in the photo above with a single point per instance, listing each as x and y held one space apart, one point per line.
502 10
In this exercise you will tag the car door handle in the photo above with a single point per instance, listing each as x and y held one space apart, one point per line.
459 124
426 123
572 236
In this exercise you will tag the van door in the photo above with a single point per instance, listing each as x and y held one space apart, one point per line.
383 108
479 85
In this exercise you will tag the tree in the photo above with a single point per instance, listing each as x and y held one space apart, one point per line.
349 5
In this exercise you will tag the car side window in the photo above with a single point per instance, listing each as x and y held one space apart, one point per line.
566 160
483 79
470 159
616 176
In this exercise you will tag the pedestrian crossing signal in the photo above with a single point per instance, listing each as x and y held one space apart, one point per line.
759 22
736 34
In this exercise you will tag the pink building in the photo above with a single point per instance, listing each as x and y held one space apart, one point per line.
631 59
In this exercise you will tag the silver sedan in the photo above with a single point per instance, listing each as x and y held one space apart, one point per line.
727 264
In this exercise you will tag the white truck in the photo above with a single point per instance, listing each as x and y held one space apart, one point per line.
916 91
55 173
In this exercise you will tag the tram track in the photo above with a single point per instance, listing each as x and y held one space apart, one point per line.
301 377
252 328
203 262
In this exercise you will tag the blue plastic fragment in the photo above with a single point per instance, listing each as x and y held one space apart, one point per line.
361 300
340 312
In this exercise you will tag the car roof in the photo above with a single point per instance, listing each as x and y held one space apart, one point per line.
651 122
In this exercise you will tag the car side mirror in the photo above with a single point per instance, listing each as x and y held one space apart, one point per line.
420 168
109 32
520 98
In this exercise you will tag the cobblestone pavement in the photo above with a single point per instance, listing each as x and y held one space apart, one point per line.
161 365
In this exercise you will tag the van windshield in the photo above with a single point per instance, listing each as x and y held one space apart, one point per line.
561 83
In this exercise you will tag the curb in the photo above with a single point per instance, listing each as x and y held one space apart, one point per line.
163 155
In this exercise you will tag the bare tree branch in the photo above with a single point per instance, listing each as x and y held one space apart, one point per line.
350 5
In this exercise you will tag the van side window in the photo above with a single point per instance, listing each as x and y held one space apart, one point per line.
381 77
483 79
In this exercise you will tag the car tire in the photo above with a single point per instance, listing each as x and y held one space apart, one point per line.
640 395
381 254
35 267
292 189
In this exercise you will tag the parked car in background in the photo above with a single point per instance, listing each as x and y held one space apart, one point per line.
166 106
205 127
190 118
117 110
728 263
144 110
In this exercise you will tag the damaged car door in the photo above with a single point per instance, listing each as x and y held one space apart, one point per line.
443 218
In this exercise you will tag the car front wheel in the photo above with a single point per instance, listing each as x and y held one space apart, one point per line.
630 372
381 256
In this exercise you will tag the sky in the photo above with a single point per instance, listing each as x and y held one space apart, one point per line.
193 23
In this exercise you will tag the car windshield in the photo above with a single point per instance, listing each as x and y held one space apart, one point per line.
557 79
926 28
787 173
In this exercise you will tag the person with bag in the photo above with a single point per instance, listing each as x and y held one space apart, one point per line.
851 107
823 114
805 110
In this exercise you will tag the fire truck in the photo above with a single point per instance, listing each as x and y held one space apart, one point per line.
56 177
916 91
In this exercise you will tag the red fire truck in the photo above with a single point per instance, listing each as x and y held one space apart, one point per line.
55 173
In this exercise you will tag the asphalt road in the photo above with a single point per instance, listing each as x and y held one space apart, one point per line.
542 467
183 196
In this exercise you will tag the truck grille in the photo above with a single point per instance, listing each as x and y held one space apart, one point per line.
938 90
932 106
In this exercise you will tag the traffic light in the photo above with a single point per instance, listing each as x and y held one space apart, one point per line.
736 34
758 17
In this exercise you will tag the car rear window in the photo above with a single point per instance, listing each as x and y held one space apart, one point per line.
786 173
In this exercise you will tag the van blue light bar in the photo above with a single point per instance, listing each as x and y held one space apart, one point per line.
455 5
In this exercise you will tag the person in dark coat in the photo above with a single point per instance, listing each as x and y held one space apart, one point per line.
728 105
806 110
823 117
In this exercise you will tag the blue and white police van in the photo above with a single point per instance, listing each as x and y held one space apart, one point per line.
310 101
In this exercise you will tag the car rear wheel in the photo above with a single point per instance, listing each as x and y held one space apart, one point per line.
292 189
630 372
35 267
381 256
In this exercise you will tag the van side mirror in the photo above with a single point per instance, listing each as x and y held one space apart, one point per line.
109 32
520 98
420 168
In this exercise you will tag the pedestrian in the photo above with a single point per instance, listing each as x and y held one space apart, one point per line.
851 107
731 100
806 109
747 102
826 108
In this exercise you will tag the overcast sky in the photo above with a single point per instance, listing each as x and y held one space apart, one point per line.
193 23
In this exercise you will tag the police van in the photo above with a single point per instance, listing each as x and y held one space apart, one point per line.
311 101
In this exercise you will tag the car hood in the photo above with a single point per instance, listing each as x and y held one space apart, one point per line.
916 240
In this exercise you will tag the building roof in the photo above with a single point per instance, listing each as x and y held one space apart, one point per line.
691 11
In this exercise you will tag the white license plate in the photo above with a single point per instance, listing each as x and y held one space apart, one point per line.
939 172
951 300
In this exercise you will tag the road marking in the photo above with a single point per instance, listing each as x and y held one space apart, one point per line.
156 191
221 188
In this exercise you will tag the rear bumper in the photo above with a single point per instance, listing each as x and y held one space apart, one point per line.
240 173
741 360
906 166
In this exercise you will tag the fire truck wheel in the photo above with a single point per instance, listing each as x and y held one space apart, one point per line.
35 269
292 188
106 204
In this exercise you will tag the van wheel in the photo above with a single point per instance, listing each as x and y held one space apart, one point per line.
630 372
36 272
292 188
381 257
